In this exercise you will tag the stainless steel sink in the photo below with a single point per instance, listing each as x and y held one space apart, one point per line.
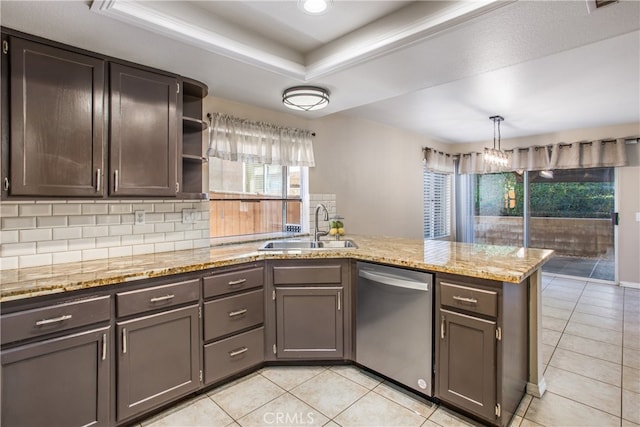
306 245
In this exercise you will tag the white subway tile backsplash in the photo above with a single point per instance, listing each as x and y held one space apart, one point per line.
91 254
82 244
163 207
51 221
9 263
120 251
69 256
120 208
17 249
9 236
33 210
108 242
97 231
164 247
67 209
108 219
154 238
95 209
163 227
36 234
142 229
132 239
143 249
51 246
79 220
120 230
42 232
8 210
67 233
25 261
184 245
16 223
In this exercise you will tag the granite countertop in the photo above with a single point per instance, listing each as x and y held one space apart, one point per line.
502 263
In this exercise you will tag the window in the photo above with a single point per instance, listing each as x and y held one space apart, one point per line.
248 199
437 205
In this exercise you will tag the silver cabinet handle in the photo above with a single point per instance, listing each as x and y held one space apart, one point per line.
104 346
238 352
124 340
115 181
164 298
54 320
339 298
237 282
238 312
5 183
442 328
467 300
98 180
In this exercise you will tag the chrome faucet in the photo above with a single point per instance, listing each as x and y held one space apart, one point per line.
316 231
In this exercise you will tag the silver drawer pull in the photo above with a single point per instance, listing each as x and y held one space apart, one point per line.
164 298
467 300
238 313
238 352
237 282
54 320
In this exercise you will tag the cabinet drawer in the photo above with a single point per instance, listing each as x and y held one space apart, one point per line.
469 299
229 356
141 300
227 315
307 274
53 318
224 283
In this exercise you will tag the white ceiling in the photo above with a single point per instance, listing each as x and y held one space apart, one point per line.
440 68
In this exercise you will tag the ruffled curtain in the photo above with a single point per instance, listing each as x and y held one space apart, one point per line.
232 138
591 154
438 161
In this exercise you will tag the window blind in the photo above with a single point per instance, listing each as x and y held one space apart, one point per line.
437 204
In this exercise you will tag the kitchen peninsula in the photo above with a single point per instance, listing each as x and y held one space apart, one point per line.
188 281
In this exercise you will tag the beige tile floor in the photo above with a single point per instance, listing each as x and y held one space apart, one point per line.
591 356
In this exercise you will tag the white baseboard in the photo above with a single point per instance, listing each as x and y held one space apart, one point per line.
634 285
537 390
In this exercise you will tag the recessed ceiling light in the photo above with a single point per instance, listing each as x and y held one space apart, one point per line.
313 7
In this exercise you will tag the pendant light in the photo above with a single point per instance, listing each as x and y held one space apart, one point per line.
305 98
495 156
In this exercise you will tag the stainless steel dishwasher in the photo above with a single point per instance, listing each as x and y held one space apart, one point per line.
394 324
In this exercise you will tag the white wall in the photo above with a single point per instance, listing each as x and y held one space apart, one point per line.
375 172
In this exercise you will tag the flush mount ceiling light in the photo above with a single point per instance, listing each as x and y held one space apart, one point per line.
314 7
305 98
495 156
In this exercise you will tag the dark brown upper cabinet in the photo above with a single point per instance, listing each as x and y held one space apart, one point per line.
56 118
144 133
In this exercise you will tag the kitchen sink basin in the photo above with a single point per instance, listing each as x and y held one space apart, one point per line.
306 245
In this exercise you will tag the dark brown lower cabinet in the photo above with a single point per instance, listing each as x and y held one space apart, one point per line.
58 382
309 322
158 359
468 362
481 346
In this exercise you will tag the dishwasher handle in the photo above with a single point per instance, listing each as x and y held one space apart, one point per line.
397 281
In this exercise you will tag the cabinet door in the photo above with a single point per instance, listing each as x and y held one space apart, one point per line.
467 356
158 359
57 121
144 133
58 382
309 323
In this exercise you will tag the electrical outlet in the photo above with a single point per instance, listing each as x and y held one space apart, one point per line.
139 217
188 216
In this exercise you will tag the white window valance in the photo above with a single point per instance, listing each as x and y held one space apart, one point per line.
583 154
232 138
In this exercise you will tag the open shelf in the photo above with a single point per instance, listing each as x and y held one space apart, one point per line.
193 163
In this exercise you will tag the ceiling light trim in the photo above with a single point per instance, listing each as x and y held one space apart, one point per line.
139 15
